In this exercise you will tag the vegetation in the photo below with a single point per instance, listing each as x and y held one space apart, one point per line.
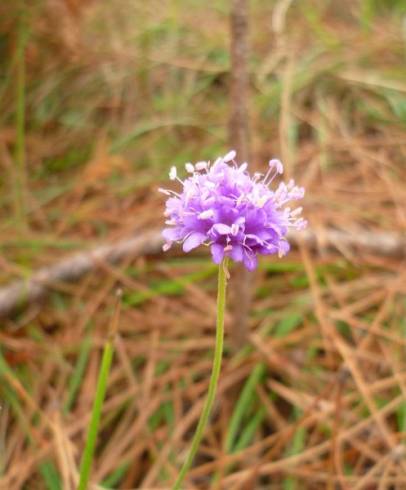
98 100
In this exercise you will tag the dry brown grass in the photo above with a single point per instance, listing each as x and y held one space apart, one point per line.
328 407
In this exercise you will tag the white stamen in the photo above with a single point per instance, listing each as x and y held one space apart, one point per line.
173 173
277 164
296 211
230 156
274 166
166 246
189 168
262 201
201 165
209 213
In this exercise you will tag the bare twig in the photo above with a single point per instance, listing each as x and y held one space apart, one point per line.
33 289
241 287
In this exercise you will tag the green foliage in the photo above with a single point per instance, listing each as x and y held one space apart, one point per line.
69 160
289 323
78 372
115 477
163 415
242 410
168 287
296 446
50 475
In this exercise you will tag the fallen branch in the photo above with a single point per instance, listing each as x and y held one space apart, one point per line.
24 292
351 244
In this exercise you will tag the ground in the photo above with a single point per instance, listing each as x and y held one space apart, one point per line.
115 93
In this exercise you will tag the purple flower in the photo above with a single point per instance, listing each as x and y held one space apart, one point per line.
236 215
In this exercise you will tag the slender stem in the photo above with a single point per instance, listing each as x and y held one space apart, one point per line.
215 373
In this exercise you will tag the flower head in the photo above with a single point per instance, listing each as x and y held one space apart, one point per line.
236 215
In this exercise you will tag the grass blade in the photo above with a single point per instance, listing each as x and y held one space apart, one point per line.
87 457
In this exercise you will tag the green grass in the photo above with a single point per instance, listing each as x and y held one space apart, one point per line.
169 287
93 429
296 447
75 380
242 409
20 179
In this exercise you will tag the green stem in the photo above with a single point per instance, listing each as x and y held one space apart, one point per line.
215 373
87 457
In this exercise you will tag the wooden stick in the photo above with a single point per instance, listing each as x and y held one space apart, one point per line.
31 290
241 286
22 292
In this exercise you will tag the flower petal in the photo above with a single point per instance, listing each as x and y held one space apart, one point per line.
230 156
222 228
237 253
284 248
217 252
172 234
275 163
254 238
193 241
268 249
250 261
239 215
207 214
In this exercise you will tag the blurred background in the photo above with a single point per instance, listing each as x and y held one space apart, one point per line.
98 99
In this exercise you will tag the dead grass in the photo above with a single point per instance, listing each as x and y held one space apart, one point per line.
317 398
